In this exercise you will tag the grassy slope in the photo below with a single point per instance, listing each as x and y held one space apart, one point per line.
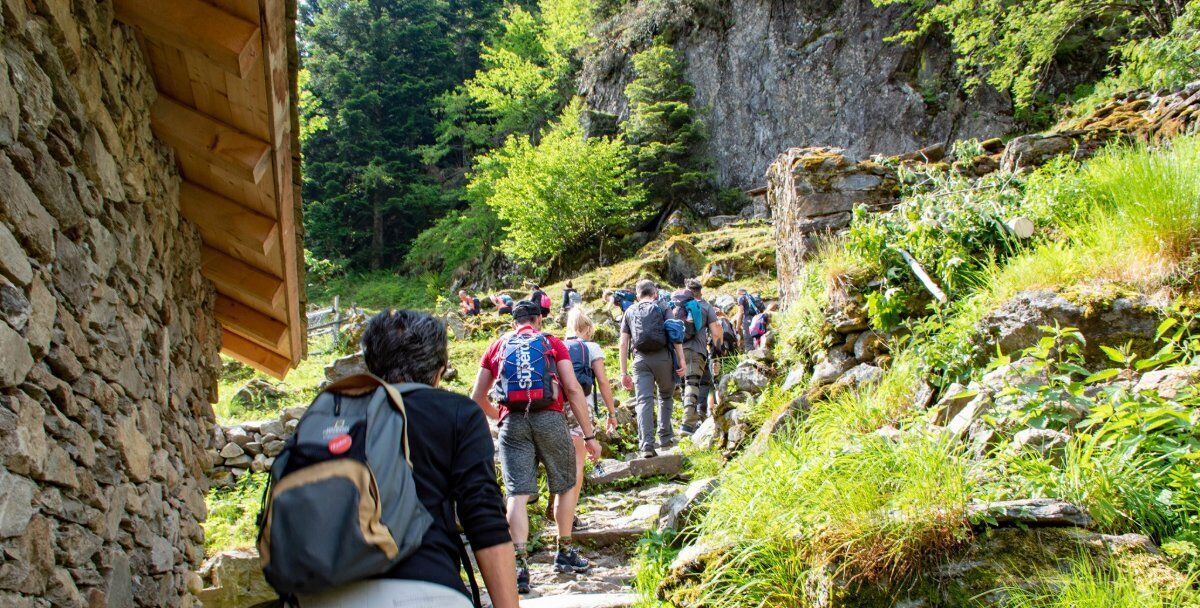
813 500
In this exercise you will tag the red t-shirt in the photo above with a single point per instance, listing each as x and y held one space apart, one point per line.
491 362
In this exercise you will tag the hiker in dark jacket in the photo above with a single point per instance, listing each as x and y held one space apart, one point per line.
539 297
571 298
468 305
452 463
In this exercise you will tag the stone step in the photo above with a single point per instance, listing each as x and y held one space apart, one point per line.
665 465
619 530
588 600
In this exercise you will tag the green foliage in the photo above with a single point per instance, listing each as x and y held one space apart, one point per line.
457 241
378 290
663 131
651 562
802 324
1010 44
1092 584
232 514
559 193
374 67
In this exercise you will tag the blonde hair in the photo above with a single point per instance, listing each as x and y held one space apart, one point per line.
579 324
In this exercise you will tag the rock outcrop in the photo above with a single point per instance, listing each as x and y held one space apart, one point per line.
775 74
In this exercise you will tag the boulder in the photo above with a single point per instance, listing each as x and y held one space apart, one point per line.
952 402
258 392
725 302
1169 383
238 435
746 378
794 412
1031 512
1112 321
232 450
619 531
794 378
456 326
682 262
867 345
1046 442
706 435
271 427
292 415
835 363
676 513
969 414
233 579
863 374
612 471
350 365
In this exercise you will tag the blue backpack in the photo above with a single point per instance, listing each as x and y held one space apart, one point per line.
583 367
526 380
686 308
624 298
676 331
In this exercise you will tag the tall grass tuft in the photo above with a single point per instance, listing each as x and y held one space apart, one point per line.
1093 585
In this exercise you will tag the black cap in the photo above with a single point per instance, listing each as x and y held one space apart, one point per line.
526 310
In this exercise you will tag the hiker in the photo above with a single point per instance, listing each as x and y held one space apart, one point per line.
468 305
453 477
571 298
587 359
700 318
620 298
528 375
539 297
760 327
503 303
750 308
644 333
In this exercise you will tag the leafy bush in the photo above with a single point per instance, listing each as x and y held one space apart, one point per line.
457 241
651 562
561 192
378 290
232 514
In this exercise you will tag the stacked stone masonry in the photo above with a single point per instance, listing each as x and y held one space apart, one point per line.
108 349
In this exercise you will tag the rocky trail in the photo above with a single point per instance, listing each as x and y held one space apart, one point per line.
624 501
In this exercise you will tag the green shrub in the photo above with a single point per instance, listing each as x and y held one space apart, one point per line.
651 562
457 241
379 290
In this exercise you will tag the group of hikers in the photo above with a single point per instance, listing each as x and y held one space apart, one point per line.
543 392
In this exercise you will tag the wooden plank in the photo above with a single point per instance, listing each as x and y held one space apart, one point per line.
255 356
251 324
230 224
277 35
218 143
200 172
232 43
242 281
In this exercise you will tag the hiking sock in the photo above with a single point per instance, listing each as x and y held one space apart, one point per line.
564 543
522 555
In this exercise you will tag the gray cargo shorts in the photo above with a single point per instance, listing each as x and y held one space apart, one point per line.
526 440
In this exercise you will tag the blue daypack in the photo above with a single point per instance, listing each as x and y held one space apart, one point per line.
676 331
526 379
583 367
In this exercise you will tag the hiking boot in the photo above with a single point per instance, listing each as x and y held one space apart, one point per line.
687 429
666 445
649 453
569 561
522 580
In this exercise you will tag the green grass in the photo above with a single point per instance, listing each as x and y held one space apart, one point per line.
1088 584
651 561
382 289
232 513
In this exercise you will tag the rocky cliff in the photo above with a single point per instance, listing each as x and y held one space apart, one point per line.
780 73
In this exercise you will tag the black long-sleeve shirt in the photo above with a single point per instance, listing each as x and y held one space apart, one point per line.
453 462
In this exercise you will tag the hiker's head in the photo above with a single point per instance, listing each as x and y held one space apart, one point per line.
579 324
462 294
647 290
741 291
527 313
608 294
406 346
570 285
693 286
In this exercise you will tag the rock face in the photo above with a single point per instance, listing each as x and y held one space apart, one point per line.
233 579
775 74
108 348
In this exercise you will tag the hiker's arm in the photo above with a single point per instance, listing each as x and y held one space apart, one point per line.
606 392
681 371
483 383
566 375
498 565
716 331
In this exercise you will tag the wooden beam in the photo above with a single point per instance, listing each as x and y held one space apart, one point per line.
226 225
254 355
231 43
242 155
251 324
242 281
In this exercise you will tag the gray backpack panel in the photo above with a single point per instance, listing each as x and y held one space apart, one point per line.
646 330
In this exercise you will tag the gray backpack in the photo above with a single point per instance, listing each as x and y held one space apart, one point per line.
646 327
342 505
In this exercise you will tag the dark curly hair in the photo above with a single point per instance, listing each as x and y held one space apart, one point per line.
405 346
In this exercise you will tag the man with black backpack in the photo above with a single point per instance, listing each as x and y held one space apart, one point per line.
539 297
700 320
362 503
751 307
643 331
529 376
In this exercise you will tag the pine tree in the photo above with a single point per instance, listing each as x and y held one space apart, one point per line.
666 135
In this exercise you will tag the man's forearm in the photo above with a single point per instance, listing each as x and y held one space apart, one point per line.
498 565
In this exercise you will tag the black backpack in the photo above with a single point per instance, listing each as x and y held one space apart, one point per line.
646 331
583 366
341 504
729 339
686 308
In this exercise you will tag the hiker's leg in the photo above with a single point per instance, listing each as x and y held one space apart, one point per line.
518 521
643 401
518 467
706 386
565 511
664 377
558 453
696 363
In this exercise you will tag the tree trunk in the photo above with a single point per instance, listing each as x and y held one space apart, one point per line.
376 230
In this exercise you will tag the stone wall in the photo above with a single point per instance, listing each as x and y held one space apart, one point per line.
107 346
